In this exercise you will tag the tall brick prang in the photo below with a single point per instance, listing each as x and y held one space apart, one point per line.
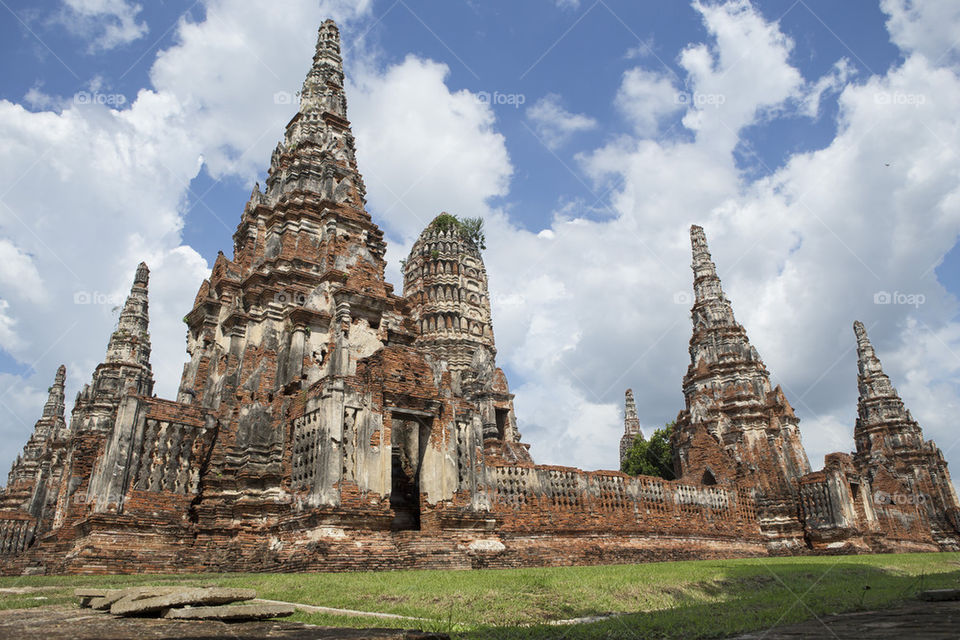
736 428
888 438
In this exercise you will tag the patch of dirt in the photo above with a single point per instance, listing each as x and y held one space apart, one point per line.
917 621
22 590
70 623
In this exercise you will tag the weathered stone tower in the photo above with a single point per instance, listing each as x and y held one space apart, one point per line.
111 397
736 427
35 477
445 283
631 426
889 440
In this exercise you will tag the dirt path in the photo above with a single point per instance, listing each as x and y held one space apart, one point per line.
916 621
69 623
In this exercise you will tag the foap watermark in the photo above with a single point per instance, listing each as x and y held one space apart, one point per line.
682 297
898 297
290 298
900 98
700 99
899 499
497 99
95 97
96 297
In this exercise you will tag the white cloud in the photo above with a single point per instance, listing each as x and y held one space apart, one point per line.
460 160
19 275
647 97
927 27
106 23
831 83
554 124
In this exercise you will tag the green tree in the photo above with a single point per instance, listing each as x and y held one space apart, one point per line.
471 229
653 457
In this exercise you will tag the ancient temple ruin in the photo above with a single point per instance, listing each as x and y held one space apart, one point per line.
324 422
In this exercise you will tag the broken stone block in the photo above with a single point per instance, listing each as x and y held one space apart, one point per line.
130 593
231 612
87 595
179 598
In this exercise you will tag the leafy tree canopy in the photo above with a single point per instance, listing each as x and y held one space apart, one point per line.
653 457
470 229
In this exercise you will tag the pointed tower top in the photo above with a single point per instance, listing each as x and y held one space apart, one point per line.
707 289
143 274
631 423
879 407
323 87
328 45
867 361
130 342
53 407
703 266
318 152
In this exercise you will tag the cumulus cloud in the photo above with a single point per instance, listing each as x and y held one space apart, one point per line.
460 159
927 27
554 124
647 97
105 23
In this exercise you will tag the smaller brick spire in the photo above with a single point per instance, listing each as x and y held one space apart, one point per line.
129 346
631 425
880 411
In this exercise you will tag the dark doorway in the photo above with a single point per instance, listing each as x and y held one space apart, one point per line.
708 478
502 416
408 436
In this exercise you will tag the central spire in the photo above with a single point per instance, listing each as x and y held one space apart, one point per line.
710 303
318 155
323 87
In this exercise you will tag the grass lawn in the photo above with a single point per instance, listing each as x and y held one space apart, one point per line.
697 599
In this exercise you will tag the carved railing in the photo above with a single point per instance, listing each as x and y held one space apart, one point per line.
545 492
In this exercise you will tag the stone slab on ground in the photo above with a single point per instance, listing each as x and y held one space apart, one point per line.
940 595
178 598
916 621
89 592
63 622
231 612
130 593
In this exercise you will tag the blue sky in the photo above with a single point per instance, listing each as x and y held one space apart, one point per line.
588 134
509 49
